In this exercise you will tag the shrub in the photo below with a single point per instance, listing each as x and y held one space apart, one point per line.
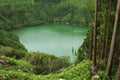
46 63
11 52
11 75
79 72
7 63
103 75
80 55
9 40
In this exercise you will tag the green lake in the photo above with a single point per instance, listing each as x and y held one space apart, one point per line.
57 39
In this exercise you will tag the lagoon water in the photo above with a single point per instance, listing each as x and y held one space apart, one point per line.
57 39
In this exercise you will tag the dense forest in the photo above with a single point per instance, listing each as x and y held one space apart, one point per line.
19 13
103 39
97 59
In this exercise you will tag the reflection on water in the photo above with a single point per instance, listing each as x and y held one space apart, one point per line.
53 38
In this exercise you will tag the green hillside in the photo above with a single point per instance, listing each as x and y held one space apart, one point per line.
29 12
19 69
9 40
97 59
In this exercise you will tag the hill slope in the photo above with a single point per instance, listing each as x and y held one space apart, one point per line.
20 13
11 69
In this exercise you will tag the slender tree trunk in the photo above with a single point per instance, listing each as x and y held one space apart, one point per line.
118 73
91 43
95 33
113 39
105 29
107 34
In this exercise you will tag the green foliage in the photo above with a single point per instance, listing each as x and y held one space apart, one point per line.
103 75
12 75
21 70
114 71
27 13
7 63
80 55
45 63
79 72
15 2
38 63
9 40
102 65
11 52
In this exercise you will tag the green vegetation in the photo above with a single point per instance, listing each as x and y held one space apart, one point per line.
42 12
15 2
102 42
14 56
11 52
9 40
18 64
36 62
45 63
8 63
78 72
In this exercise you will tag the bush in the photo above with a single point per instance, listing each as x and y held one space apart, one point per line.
80 55
11 52
79 72
10 75
7 63
101 65
41 69
46 63
103 75
9 40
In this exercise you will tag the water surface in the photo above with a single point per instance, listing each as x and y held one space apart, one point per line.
52 38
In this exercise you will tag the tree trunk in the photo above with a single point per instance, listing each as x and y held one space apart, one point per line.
113 39
91 43
107 34
95 33
105 30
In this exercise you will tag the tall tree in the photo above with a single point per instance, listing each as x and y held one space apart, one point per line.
91 43
107 33
95 33
113 38
106 15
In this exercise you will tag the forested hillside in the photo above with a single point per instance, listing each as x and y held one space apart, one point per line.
19 13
